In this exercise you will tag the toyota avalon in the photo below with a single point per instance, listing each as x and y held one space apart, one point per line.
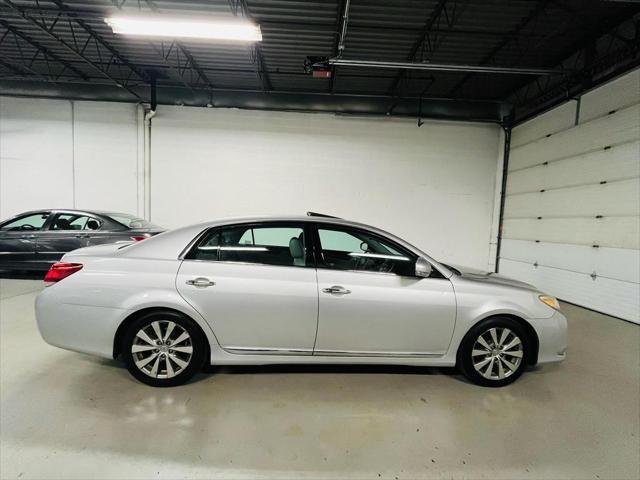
312 289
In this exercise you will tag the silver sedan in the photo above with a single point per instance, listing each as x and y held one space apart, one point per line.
312 289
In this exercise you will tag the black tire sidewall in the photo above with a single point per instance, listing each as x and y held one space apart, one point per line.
465 362
199 348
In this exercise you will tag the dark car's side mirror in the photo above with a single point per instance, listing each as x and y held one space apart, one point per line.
423 268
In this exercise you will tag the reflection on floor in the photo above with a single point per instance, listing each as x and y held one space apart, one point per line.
66 415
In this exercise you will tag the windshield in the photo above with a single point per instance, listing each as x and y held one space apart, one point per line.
131 221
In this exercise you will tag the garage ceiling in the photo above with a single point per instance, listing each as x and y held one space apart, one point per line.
64 49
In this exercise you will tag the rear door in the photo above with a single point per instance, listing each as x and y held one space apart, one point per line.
66 231
18 238
256 286
102 229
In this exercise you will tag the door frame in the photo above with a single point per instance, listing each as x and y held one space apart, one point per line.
317 252
310 263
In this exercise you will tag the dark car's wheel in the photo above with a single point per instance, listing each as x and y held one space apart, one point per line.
164 349
494 352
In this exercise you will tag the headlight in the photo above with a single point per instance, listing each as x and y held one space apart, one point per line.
551 301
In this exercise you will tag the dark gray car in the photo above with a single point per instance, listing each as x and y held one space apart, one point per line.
34 240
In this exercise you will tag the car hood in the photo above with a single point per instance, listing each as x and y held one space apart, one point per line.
492 278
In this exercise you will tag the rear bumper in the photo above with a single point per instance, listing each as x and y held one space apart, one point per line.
552 335
81 328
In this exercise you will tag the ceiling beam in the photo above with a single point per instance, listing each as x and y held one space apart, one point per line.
599 60
338 41
256 52
351 104
44 11
538 10
44 50
435 15
87 28
77 52
446 67
190 63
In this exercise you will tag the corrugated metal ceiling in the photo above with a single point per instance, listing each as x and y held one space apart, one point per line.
510 33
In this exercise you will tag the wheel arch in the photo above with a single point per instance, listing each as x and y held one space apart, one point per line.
122 328
532 336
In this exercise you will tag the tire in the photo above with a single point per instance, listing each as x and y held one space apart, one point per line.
494 364
162 360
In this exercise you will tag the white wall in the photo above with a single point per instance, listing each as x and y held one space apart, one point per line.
65 154
433 186
572 210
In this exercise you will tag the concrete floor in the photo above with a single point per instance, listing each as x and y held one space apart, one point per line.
66 415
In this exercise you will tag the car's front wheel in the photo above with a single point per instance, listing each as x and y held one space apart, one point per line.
494 352
164 349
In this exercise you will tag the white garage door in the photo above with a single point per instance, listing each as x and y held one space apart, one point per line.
572 210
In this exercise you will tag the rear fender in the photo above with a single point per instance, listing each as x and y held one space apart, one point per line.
168 300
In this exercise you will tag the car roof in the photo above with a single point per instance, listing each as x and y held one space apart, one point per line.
290 218
173 242
70 210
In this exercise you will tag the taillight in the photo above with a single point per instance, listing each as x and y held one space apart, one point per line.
139 238
58 271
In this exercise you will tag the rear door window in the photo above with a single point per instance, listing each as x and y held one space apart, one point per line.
261 244
74 221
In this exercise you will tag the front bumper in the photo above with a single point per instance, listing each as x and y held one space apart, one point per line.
552 336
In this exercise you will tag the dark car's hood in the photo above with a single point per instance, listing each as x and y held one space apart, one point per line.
491 277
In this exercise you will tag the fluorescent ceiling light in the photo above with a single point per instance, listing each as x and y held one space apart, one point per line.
177 27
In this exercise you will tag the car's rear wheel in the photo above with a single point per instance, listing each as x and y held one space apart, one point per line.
164 349
494 352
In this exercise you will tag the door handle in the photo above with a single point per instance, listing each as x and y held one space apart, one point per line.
81 235
30 237
201 282
336 290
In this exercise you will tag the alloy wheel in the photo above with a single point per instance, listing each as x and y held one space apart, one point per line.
162 349
497 353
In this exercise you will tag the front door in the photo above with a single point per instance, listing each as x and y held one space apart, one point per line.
372 304
256 286
18 238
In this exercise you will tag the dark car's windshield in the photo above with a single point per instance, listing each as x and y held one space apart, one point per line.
131 221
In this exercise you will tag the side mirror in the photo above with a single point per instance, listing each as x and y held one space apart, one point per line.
423 268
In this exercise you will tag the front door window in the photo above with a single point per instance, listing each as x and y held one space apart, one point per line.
345 249
29 222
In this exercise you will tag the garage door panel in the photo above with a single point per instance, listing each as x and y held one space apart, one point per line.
613 297
616 263
615 232
616 94
623 126
615 198
618 162
553 121
571 221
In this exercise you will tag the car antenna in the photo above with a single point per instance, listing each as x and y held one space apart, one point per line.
316 214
